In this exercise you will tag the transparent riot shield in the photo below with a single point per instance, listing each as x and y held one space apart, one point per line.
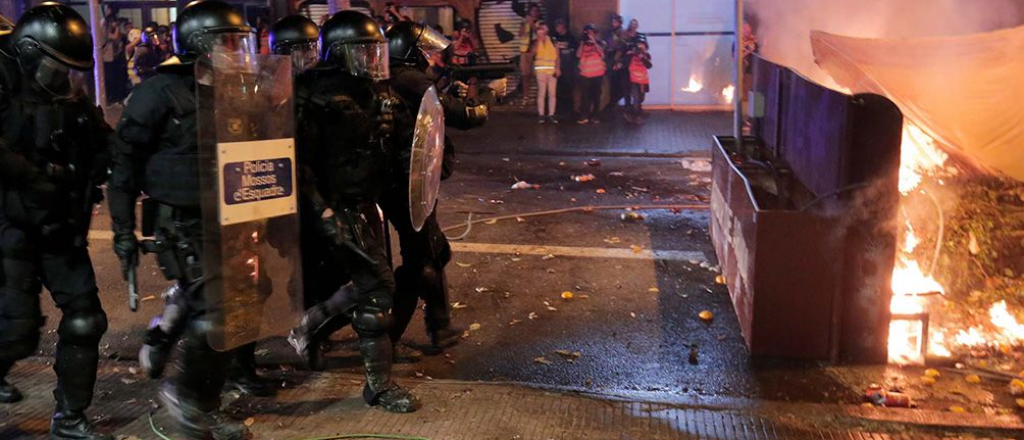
251 256
426 159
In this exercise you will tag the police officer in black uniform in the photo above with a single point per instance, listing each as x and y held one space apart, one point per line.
348 124
298 37
157 152
54 147
426 252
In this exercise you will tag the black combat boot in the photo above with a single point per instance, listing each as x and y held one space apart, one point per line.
73 425
242 375
195 423
380 389
9 393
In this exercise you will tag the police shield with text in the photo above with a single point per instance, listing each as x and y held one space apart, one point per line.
348 124
159 152
54 155
424 247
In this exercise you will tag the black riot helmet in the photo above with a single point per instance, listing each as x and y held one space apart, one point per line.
299 37
354 42
52 45
410 43
205 26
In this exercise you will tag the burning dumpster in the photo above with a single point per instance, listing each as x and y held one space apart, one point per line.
802 219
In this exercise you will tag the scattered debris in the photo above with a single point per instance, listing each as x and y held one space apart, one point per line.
133 370
957 409
149 298
600 191
583 178
128 381
973 378
458 305
514 321
616 173
491 221
461 264
879 396
696 164
633 315
250 421
474 327
496 202
262 352
632 216
592 162
567 295
927 380
548 257
931 372
706 315
613 240
654 290
693 355
636 249
541 360
1017 387
719 279
482 290
569 356
532 315
522 184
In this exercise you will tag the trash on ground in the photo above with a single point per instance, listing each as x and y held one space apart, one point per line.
567 295
931 372
632 216
250 421
600 191
1017 387
569 356
548 257
927 380
613 240
693 355
719 279
491 221
532 315
541 360
973 378
522 184
482 290
957 409
636 248
592 162
654 290
706 315
698 165
583 177
474 327
879 396
457 305
461 264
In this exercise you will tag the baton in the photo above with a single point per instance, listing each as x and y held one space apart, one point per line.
133 289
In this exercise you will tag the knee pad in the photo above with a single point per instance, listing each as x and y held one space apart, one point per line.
82 327
371 321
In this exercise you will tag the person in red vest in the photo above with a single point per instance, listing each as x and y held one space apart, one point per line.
592 69
639 80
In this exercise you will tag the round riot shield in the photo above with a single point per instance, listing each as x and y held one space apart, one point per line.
426 158
251 259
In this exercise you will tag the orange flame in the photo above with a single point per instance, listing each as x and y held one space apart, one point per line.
729 93
918 155
694 86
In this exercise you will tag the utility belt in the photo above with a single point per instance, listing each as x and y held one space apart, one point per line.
173 234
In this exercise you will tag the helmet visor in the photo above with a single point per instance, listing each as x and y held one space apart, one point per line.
229 42
304 55
367 60
57 79
432 42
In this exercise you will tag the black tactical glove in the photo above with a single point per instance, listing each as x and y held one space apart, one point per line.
126 246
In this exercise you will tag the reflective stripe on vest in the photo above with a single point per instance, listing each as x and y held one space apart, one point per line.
546 55
638 72
591 64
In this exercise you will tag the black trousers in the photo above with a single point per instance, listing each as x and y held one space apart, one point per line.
28 265
590 100
425 253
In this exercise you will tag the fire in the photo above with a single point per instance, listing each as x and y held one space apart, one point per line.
728 93
1009 328
918 155
694 86
908 279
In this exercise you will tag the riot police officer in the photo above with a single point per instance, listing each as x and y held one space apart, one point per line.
426 252
298 37
55 148
148 54
348 123
157 152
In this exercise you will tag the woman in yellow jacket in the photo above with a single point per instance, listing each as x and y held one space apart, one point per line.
547 68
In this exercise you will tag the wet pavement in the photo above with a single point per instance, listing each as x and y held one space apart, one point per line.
631 327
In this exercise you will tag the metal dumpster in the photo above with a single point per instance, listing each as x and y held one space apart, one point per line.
802 219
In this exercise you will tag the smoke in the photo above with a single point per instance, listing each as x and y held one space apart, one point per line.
783 26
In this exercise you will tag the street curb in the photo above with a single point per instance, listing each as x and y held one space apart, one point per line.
937 419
